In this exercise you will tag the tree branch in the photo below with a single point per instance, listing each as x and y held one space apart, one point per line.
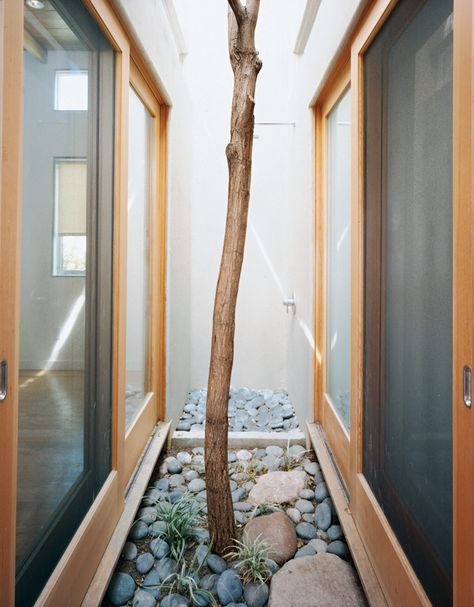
237 9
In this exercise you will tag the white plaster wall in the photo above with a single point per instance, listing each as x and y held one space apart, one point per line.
272 348
148 22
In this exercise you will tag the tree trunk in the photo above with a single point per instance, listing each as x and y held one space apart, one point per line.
245 65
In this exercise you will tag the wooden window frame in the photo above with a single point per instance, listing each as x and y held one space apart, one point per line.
152 408
398 580
337 433
75 570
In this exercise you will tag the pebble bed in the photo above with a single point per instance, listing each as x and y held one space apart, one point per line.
249 411
146 561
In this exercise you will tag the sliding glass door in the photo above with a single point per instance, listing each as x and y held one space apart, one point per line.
64 444
408 340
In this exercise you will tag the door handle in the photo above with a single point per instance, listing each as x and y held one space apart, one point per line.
467 385
3 380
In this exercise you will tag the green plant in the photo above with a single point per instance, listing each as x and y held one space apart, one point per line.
251 557
265 508
290 461
185 582
182 519
252 468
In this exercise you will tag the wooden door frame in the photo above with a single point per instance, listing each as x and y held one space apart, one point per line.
337 434
152 408
398 579
73 573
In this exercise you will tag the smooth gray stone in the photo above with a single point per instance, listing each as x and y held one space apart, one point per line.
318 478
216 563
152 584
175 496
339 549
174 466
201 554
143 599
294 515
176 480
257 402
238 494
209 581
197 485
306 531
183 426
240 517
121 588
198 450
335 532
305 551
201 535
184 457
272 565
306 494
232 485
256 594
274 450
138 531
328 501
166 568
144 562
174 600
130 551
190 475
311 468
229 587
152 497
148 515
190 408
321 492
319 545
231 457
159 548
157 528
243 507
296 450
304 506
271 462
308 517
200 598
322 516
162 484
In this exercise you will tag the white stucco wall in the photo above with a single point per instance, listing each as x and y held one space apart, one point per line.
272 348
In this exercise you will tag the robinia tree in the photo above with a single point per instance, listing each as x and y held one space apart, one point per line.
246 65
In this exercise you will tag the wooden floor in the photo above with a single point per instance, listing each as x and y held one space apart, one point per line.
50 448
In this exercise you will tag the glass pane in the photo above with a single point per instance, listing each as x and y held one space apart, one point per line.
408 380
137 255
64 401
339 257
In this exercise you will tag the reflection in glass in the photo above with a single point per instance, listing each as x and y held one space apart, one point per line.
137 256
339 256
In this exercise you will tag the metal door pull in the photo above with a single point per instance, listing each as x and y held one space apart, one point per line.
467 385
3 379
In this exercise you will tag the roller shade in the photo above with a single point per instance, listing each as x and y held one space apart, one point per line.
71 196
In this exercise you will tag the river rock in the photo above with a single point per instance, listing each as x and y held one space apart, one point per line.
121 588
277 531
323 579
278 487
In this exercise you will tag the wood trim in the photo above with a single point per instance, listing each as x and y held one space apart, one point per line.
396 576
138 434
104 571
361 559
463 310
338 436
11 103
71 577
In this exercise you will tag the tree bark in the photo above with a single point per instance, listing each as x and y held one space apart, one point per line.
245 65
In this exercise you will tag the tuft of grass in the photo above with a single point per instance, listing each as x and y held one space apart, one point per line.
288 461
251 559
265 508
185 582
182 519
252 468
